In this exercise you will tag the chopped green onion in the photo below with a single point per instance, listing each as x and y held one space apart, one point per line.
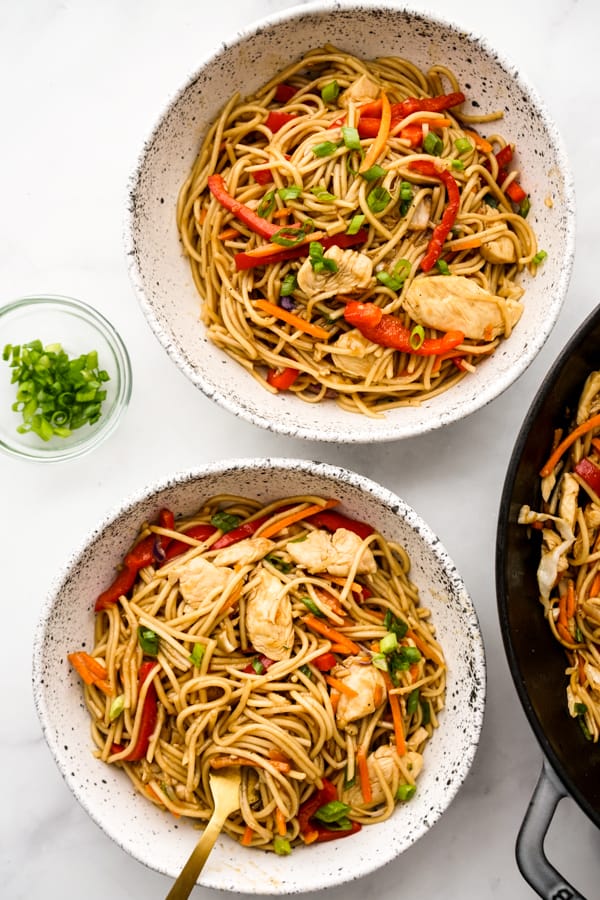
148 640
412 704
491 201
395 281
425 712
463 145
373 173
580 709
298 540
330 92
393 623
406 191
351 137
379 661
288 285
388 643
539 257
197 654
410 654
266 205
322 194
417 336
225 521
433 144
405 791
378 199
305 669
281 845
258 666
442 267
326 148
55 394
289 193
332 812
319 261
578 634
355 224
291 235
583 725
312 606
457 164
524 207
116 707
279 563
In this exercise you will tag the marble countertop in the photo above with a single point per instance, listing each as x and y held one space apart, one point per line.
82 84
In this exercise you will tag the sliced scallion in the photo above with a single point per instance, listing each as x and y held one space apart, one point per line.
351 137
266 205
197 654
373 173
289 193
396 279
116 707
281 845
288 285
463 145
225 521
291 235
406 791
323 194
378 199
433 144
325 148
148 640
330 92
539 257
319 261
388 643
442 267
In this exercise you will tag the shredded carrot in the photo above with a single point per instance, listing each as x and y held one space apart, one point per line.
564 633
342 649
228 233
355 587
341 686
280 822
292 319
274 753
571 599
556 454
331 633
281 213
378 145
296 516
596 444
432 121
335 699
247 836
203 215
90 671
363 774
595 586
397 721
467 243
480 142
271 249
233 599
222 762
378 695
414 671
562 611
425 649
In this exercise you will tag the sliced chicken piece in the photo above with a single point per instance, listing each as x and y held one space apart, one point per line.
354 272
269 616
199 578
591 517
389 766
593 676
322 552
501 250
414 763
457 303
569 493
369 684
419 218
360 91
417 738
244 552
555 545
589 402
359 358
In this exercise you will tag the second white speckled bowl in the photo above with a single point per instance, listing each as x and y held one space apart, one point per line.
154 837
161 275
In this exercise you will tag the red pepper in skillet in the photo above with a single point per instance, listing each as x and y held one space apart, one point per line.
590 473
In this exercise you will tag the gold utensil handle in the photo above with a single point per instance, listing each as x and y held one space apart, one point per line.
189 874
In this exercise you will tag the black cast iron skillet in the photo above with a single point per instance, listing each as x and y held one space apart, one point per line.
537 662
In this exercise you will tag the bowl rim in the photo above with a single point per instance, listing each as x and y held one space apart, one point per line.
387 429
111 418
393 504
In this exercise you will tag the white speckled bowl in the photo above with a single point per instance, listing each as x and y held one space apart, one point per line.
156 838
161 275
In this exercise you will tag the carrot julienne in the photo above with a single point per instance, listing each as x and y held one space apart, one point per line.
297 516
340 686
90 671
292 319
363 774
331 633
570 439
378 145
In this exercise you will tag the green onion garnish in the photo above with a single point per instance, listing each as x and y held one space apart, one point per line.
425 712
322 194
580 709
148 640
457 164
379 661
433 144
281 845
266 205
412 704
326 148
312 606
355 224
393 623
197 654
388 643
378 199
351 137
305 669
55 394
290 235
539 257
288 285
463 145
524 207
395 281
373 173
406 191
586 731
225 521
279 563
289 193
116 707
442 267
405 791
258 666
330 92
318 260
333 812
417 336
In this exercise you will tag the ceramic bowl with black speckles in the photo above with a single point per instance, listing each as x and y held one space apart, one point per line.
161 273
151 834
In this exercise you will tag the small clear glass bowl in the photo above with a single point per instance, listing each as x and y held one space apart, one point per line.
79 329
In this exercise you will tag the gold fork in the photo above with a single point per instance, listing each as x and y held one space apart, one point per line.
225 789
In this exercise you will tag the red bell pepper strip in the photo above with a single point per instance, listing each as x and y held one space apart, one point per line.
145 553
149 716
314 832
590 473
276 120
262 176
328 834
265 662
216 185
516 192
245 530
282 379
284 92
441 231
504 156
388 331
325 662
247 261
440 103
199 532
333 520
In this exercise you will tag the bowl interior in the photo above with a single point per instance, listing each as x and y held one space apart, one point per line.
162 842
536 659
161 274
79 329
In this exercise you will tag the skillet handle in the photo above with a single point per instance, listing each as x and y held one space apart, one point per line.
531 858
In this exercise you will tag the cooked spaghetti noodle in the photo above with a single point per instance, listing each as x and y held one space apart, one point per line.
341 190
285 639
569 570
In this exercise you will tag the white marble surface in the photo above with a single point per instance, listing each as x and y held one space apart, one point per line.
81 84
